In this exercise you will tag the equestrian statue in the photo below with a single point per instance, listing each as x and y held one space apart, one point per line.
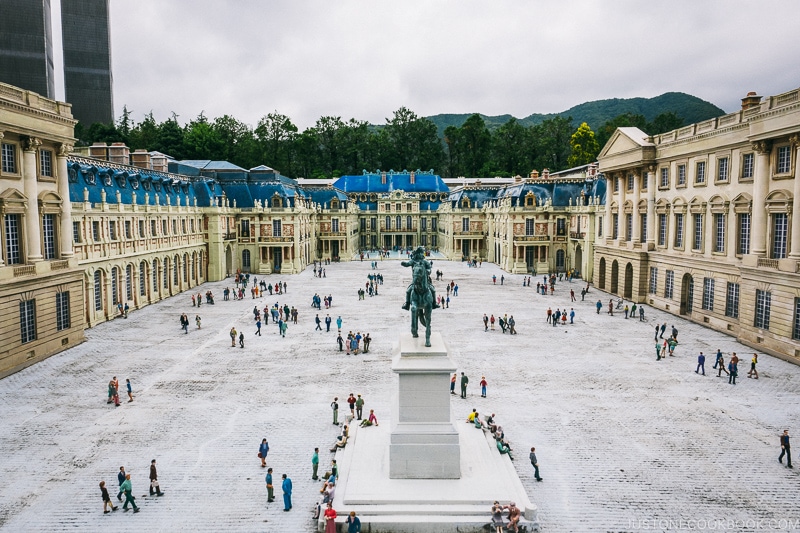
420 295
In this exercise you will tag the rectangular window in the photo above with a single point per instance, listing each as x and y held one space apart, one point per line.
76 232
600 226
98 290
49 236
397 207
183 225
9 157
748 163
732 300
373 223
681 174
62 311
191 225
529 226
662 229
465 224
615 226
653 280
115 285
174 227
164 227
388 223
398 222
643 224
664 178
784 165
629 184
46 163
409 225
424 223
690 297
165 277
408 208
363 226
719 233
155 278
27 320
13 252
335 225
245 228
796 320
708 294
700 176
433 241
128 229
424 240
780 231
698 232
644 182
276 228
669 283
142 279
616 184
112 230
743 242
722 169
678 230
141 229
561 226
628 227
763 303
152 228
129 282
96 231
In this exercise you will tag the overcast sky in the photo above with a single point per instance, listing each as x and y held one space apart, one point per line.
364 60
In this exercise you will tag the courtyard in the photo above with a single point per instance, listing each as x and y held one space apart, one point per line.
624 443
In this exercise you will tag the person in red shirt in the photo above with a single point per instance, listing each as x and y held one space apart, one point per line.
330 519
483 386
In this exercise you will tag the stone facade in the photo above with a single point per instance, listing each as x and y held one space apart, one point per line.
701 221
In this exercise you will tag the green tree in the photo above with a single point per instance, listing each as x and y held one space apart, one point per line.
584 146
201 141
620 121
170 138
410 142
475 143
275 135
550 143
144 135
239 144
664 122
509 150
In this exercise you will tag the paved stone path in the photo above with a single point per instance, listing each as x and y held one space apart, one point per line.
625 443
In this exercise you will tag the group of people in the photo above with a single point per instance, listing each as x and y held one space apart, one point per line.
126 489
506 323
560 317
113 391
353 343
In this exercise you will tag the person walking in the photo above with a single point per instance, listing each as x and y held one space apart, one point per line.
154 480
130 389
241 340
512 325
127 489
753 372
485 322
286 486
340 341
785 449
233 337
663 329
549 315
571 315
315 464
641 313
599 306
656 339
113 393
339 323
335 408
319 324
453 383
701 364
464 382
263 450
327 323
483 386
270 487
491 322
535 464
572 295
258 327
732 372
106 499
121 479
359 406
658 350
330 518
721 362
351 401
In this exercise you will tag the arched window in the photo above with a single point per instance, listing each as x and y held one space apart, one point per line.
277 201
142 279
98 290
186 268
201 266
175 270
155 276
114 285
129 282
165 277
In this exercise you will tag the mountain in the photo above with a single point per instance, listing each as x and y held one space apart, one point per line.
690 108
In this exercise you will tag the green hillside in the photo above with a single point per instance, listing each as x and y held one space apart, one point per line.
690 108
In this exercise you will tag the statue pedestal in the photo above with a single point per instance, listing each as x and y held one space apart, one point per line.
424 442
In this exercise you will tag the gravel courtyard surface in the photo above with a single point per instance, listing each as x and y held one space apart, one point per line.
625 443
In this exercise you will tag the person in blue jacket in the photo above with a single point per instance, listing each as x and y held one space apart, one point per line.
287 492
263 450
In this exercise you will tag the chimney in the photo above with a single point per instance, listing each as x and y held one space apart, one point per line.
412 176
517 179
751 100
141 158
478 182
119 153
99 150
534 174
545 173
158 162
383 178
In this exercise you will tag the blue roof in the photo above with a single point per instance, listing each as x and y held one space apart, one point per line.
373 182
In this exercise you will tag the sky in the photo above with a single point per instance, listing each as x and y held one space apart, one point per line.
364 60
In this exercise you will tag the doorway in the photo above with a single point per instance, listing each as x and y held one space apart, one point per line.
614 277
628 291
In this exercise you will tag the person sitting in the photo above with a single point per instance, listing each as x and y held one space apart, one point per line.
498 432
472 416
513 516
477 422
497 517
503 448
341 440
372 420
329 493
330 480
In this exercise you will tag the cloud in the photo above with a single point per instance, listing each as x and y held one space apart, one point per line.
364 60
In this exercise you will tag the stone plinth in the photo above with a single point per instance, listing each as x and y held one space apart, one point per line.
424 443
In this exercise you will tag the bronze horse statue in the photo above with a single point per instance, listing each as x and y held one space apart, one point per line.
421 302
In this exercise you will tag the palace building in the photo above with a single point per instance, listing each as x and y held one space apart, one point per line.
697 222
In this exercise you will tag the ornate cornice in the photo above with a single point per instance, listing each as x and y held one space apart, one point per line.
32 143
762 147
64 149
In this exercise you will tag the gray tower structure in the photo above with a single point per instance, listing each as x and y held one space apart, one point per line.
26 46
87 60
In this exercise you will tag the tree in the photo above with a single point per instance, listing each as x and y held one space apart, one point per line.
201 141
620 121
475 144
410 142
509 150
550 143
275 135
170 138
584 146
664 122
144 135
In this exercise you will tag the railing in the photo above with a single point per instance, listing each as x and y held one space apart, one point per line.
230 236
576 235
332 234
402 227
24 270
476 233
59 265
769 263
276 239
532 238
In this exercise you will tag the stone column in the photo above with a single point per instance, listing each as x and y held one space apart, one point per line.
33 234
758 246
651 208
636 227
66 204
609 199
794 251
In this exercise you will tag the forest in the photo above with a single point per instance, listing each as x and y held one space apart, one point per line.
333 147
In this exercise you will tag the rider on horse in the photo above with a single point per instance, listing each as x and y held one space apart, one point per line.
418 257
